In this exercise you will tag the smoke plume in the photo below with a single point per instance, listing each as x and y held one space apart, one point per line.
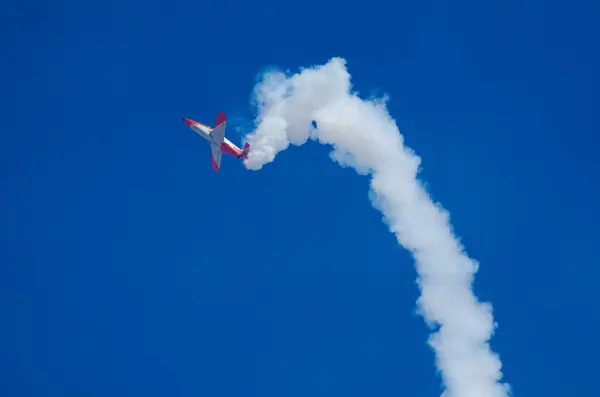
365 137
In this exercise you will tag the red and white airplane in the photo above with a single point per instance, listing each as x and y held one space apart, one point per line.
218 143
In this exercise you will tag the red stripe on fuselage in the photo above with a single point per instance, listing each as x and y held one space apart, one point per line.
230 150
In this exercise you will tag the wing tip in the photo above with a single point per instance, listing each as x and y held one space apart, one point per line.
221 118
214 164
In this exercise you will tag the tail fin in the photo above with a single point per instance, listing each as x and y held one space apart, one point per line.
245 150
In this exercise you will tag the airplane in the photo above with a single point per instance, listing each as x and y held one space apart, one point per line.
218 143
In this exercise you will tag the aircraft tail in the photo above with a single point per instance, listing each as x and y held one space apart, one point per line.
245 150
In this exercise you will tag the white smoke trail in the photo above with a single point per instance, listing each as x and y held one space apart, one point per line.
365 137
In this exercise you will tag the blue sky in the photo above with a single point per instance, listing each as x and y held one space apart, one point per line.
130 268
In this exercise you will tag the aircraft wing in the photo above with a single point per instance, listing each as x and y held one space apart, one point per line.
218 133
215 153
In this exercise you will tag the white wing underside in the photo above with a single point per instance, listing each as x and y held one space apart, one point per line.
216 156
218 133
218 136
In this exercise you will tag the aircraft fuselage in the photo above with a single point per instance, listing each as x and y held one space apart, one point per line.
226 146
